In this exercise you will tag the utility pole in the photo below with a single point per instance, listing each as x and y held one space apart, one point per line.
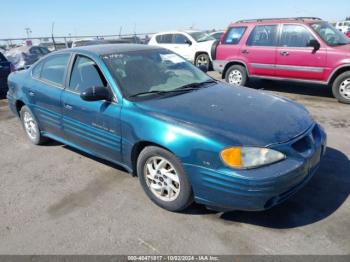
28 32
53 39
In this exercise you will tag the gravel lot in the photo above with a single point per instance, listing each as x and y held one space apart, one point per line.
56 200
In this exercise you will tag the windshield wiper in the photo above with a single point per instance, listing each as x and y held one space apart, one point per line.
188 87
338 44
196 85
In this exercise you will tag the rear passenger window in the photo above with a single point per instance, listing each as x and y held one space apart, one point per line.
295 36
85 74
234 35
263 35
164 39
54 68
36 72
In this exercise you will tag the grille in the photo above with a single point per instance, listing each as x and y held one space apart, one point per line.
306 143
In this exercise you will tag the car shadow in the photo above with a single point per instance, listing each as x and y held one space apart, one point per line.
291 87
77 151
320 198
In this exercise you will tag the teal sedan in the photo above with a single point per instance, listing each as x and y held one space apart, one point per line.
185 135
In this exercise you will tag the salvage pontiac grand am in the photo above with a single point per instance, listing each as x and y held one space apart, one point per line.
186 136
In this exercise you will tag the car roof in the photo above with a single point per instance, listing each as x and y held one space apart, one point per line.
302 20
106 49
178 31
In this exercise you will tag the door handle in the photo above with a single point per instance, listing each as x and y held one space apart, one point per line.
31 93
284 53
245 51
68 107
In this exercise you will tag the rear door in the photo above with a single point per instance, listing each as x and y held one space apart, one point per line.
165 41
94 126
259 51
44 92
229 47
295 59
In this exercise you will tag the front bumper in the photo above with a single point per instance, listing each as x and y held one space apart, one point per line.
261 188
219 65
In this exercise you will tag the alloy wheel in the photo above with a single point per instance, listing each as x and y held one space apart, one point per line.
30 125
202 60
161 178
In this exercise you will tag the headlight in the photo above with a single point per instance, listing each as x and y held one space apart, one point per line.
250 157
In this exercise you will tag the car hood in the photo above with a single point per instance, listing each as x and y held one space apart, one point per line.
237 115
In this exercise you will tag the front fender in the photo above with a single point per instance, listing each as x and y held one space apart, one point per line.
183 140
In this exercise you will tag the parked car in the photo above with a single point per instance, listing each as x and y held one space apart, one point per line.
5 70
343 26
24 56
217 34
300 49
195 46
187 137
81 43
53 47
348 33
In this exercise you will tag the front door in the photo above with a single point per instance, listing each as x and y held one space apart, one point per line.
93 126
295 59
259 52
183 46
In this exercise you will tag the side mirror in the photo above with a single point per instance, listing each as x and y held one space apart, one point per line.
315 44
189 42
203 68
95 94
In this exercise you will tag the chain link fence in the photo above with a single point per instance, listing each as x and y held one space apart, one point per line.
61 42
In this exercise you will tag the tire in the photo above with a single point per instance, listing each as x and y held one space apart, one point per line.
204 60
170 173
341 88
31 127
236 75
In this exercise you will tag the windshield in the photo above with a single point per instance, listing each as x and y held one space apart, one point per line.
149 71
201 36
330 34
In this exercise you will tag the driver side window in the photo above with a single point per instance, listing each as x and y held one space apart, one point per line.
85 74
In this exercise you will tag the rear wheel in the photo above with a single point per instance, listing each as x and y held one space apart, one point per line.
163 179
236 75
31 126
341 88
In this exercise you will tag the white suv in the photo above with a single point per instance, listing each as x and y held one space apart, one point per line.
194 46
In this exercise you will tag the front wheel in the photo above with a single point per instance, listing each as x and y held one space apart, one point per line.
236 75
341 88
163 179
203 60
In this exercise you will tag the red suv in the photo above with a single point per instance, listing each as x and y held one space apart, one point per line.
304 49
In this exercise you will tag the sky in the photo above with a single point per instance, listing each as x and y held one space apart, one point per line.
104 17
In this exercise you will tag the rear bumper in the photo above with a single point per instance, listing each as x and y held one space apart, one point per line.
255 189
12 104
